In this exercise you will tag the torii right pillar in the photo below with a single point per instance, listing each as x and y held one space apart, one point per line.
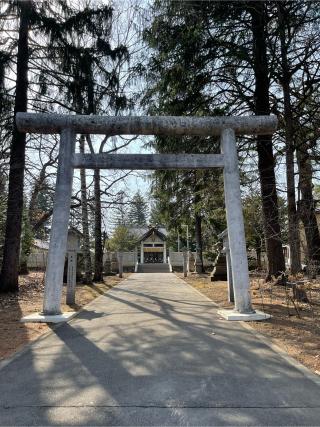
240 273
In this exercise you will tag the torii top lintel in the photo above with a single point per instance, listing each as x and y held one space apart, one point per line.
145 125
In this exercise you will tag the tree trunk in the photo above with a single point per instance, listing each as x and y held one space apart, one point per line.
36 221
198 227
11 251
258 252
98 250
85 221
98 247
26 242
198 237
293 220
307 206
258 249
276 263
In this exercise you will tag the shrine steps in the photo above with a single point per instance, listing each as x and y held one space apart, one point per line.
153 268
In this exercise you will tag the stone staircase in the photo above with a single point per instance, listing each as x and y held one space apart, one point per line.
153 268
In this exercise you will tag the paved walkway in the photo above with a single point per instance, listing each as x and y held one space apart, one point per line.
154 352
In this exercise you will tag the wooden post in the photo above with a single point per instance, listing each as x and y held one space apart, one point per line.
120 264
59 227
71 277
185 263
237 242
188 260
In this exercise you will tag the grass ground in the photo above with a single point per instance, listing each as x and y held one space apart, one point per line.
295 327
14 334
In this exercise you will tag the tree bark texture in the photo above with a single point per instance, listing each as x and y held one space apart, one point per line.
198 237
276 263
306 205
293 220
198 227
98 250
11 251
85 220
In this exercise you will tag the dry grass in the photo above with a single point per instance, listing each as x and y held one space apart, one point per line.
295 326
14 334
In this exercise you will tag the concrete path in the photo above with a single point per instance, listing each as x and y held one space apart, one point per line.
153 351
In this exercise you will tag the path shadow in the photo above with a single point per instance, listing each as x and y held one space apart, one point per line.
167 363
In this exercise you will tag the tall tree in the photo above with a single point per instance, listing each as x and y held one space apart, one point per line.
257 10
85 220
204 61
294 46
307 203
120 213
57 24
90 83
3 205
285 79
138 213
10 265
178 85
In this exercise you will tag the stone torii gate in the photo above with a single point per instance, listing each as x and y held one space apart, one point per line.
70 125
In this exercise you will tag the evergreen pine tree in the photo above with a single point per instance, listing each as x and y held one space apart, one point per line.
156 215
120 213
206 58
11 250
138 212
3 205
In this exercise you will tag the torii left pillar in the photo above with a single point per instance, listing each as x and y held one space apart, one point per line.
59 234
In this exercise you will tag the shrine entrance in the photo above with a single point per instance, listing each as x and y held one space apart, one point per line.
69 125
153 257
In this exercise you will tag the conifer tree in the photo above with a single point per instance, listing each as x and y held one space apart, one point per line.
90 83
138 213
206 59
11 250
296 42
120 213
122 239
65 75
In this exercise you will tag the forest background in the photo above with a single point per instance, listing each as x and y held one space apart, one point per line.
162 57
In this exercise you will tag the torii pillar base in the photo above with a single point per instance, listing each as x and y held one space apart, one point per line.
233 315
48 318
